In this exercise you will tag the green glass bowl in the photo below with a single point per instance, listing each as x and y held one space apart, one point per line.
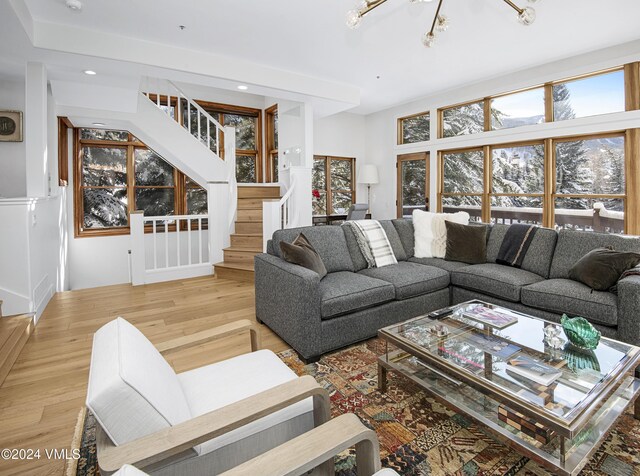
580 332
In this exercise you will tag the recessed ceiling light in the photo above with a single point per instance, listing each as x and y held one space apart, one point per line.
89 72
99 124
242 87
182 27
75 5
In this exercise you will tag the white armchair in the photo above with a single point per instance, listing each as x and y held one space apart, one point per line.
204 421
296 457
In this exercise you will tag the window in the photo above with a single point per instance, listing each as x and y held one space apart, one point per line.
595 94
590 183
248 124
585 187
272 143
333 190
517 109
517 189
115 173
413 183
463 120
414 128
598 93
463 182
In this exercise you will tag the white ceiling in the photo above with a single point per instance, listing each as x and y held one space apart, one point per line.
309 37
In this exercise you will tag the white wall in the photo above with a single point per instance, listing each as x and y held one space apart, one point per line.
13 181
343 135
382 150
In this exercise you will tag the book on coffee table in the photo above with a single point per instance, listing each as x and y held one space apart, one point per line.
533 369
496 318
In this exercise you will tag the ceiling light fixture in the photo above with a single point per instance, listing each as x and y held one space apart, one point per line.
99 124
89 72
242 87
526 16
75 5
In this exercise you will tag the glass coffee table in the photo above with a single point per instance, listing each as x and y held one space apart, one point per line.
465 358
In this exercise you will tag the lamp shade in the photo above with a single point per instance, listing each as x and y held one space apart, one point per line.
368 174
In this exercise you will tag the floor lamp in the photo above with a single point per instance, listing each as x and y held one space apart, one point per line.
369 176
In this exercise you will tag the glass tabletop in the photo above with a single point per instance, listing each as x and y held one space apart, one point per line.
524 357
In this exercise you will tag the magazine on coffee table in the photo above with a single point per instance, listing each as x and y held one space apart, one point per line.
533 369
496 318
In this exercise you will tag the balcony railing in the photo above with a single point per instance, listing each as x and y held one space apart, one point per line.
597 219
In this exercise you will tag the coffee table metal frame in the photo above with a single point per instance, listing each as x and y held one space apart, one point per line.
576 441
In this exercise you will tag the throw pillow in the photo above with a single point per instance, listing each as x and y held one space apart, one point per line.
430 234
466 243
423 233
439 245
601 268
302 253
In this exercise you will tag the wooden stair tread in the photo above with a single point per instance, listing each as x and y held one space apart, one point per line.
14 333
243 249
242 266
248 235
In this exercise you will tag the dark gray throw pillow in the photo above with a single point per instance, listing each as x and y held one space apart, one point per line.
302 253
601 268
466 243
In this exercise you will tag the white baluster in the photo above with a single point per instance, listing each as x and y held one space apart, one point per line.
199 128
166 244
189 238
209 134
189 114
217 141
178 261
155 246
200 240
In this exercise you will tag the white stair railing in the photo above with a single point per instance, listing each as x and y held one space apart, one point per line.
165 248
178 106
277 214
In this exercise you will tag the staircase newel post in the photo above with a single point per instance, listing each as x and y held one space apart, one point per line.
136 224
218 228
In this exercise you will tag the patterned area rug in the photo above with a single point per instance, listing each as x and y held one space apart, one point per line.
418 436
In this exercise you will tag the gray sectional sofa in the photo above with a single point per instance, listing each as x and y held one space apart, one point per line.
352 302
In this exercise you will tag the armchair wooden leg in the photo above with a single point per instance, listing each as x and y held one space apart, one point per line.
368 457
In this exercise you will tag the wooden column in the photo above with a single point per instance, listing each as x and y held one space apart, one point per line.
486 194
548 213
632 86
632 172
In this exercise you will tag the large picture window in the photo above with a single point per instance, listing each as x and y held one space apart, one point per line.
584 188
333 187
115 174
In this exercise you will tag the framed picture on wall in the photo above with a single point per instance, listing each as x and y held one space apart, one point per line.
10 126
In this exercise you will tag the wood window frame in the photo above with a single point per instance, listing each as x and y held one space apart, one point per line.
400 127
64 126
328 189
222 109
631 93
414 156
632 176
271 149
131 144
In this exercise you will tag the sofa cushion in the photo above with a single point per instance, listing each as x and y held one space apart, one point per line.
132 390
439 263
359 261
328 241
302 253
344 292
404 227
540 252
217 385
573 245
410 279
466 244
394 240
573 298
494 279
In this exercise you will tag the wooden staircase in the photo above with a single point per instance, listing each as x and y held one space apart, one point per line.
14 333
246 242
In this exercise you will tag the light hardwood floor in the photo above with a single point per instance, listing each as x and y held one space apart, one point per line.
43 393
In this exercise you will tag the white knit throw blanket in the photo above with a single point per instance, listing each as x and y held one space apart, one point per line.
378 242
